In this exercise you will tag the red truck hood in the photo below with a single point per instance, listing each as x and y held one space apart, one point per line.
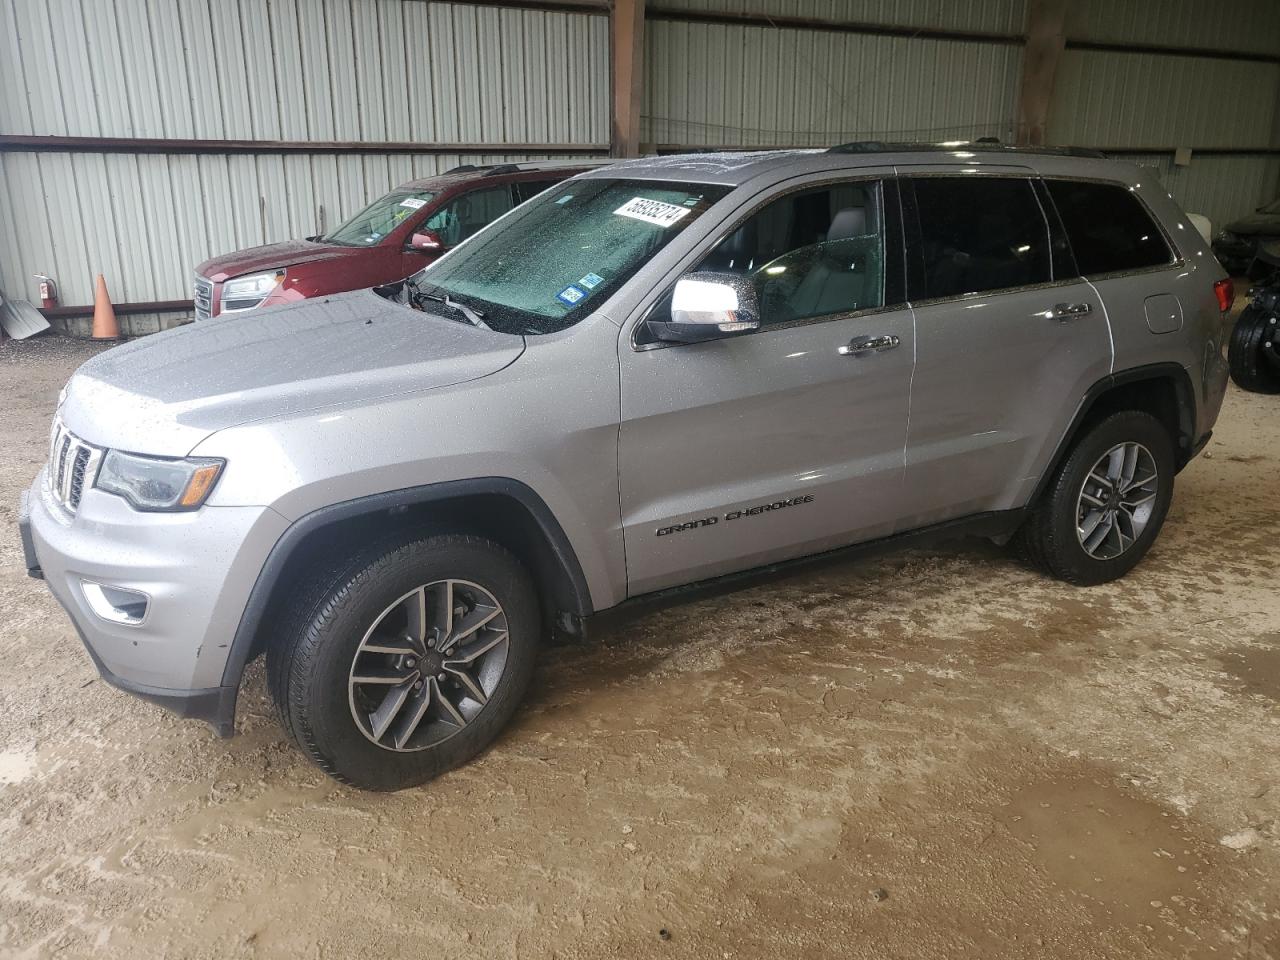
273 255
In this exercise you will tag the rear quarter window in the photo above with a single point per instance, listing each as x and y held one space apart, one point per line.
1109 229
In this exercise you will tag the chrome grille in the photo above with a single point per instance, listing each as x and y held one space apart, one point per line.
72 464
203 298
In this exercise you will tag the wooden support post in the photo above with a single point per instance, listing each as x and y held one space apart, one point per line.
626 75
1046 36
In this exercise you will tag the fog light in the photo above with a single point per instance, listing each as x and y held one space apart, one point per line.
115 604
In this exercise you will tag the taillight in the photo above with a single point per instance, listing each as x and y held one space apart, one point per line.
1225 291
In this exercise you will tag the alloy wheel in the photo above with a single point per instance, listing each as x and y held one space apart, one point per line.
428 665
1116 500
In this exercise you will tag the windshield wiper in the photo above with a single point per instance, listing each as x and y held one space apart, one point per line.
474 317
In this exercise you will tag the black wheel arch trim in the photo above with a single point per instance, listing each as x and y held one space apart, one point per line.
243 643
1187 446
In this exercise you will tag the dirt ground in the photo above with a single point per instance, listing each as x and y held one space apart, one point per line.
934 755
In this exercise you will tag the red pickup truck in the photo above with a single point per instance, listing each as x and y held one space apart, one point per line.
395 236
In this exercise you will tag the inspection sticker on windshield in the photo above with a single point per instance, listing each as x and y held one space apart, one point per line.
652 211
591 281
413 203
570 295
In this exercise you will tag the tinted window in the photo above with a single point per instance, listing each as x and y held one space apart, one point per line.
980 233
460 218
531 188
1108 227
811 254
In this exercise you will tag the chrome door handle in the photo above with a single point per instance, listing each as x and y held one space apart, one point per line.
1066 311
862 346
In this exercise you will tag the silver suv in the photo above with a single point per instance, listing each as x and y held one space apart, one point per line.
669 374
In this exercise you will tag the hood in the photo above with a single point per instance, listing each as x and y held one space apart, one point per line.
165 393
1257 224
286 253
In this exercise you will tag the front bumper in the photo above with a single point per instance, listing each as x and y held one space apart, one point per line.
24 531
197 570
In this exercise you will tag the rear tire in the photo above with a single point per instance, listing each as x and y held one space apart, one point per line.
1106 502
409 662
1250 368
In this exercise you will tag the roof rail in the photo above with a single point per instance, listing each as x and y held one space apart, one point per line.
526 166
485 169
983 144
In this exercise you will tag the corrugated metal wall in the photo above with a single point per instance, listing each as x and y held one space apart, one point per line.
1249 25
1221 188
726 84
295 70
376 70
989 16
765 85
1117 99
1107 99
770 84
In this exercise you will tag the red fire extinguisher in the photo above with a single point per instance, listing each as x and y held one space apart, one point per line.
48 291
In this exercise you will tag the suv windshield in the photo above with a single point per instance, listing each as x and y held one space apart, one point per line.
565 252
379 218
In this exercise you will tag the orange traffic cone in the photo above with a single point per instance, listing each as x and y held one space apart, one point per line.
105 326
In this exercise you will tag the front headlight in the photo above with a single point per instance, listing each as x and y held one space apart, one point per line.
149 483
245 293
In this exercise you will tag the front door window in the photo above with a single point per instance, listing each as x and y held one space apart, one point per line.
811 254
461 217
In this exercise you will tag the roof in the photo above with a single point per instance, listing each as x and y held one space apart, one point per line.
732 168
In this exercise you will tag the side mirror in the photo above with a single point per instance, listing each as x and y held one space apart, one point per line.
426 241
709 306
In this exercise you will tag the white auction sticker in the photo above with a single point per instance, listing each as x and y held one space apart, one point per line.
652 211
413 203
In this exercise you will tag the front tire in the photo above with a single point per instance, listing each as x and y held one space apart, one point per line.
1105 504
409 662
1250 368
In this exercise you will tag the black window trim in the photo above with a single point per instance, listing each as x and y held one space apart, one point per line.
1177 261
892 213
1062 256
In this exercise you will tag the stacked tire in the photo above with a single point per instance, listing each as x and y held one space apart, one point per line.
1254 351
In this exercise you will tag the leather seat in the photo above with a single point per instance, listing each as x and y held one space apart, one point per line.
846 275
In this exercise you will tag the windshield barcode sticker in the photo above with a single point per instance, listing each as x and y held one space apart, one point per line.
413 203
652 211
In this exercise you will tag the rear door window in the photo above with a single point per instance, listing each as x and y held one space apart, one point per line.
1109 228
980 233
